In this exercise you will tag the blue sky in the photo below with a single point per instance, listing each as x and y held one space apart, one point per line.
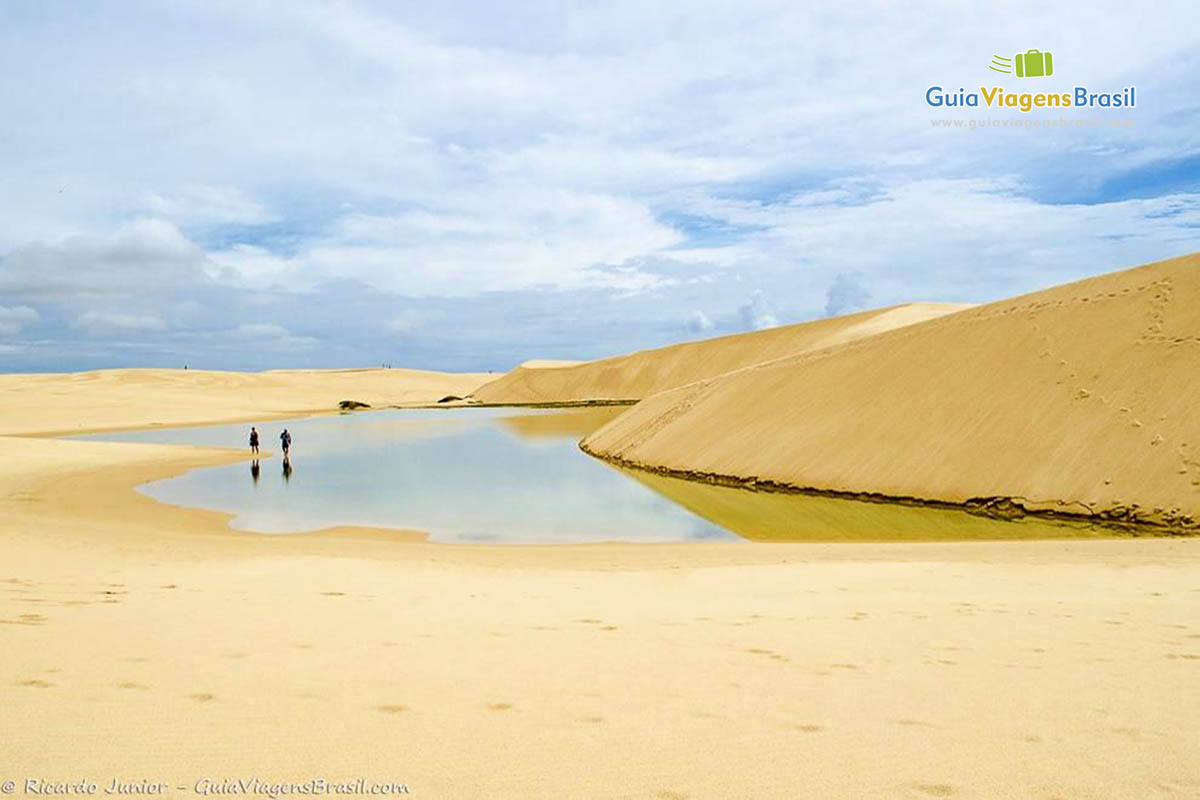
254 185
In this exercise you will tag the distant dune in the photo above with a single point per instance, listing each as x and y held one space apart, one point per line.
114 398
640 374
1079 399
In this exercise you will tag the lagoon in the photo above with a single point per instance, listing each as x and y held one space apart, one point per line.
515 476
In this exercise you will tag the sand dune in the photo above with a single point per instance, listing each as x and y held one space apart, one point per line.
1079 398
143 640
115 398
640 374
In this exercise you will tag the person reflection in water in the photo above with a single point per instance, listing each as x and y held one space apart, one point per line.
254 470
287 468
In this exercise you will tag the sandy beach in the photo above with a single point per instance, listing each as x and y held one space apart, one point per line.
599 401
143 641
65 403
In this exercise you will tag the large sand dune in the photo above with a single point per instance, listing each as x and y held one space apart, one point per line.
143 640
114 398
640 374
1079 399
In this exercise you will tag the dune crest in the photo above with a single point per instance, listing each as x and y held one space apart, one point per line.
1078 399
641 374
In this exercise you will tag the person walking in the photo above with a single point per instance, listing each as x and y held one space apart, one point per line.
285 441
253 440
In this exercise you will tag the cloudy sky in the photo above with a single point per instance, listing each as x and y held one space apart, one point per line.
462 186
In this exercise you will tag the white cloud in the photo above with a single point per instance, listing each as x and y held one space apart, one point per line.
845 294
493 241
270 336
261 330
103 323
698 322
412 320
12 319
757 313
250 265
207 205
687 154
140 256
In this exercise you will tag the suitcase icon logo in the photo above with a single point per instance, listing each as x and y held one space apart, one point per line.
1030 64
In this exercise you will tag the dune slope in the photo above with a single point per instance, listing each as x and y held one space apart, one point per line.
1078 399
640 374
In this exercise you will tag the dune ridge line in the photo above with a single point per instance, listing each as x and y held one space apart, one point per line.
1080 393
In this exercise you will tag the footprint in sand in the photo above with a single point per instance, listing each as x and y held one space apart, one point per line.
935 789
132 685
500 706
36 683
203 697
392 708
809 728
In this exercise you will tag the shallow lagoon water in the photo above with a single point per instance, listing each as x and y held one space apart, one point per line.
515 476
462 475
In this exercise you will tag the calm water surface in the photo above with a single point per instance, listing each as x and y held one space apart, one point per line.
515 476
462 475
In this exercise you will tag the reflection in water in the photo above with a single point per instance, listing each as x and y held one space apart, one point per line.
467 475
778 517
508 475
574 423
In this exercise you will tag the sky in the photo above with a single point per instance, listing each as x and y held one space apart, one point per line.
463 186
